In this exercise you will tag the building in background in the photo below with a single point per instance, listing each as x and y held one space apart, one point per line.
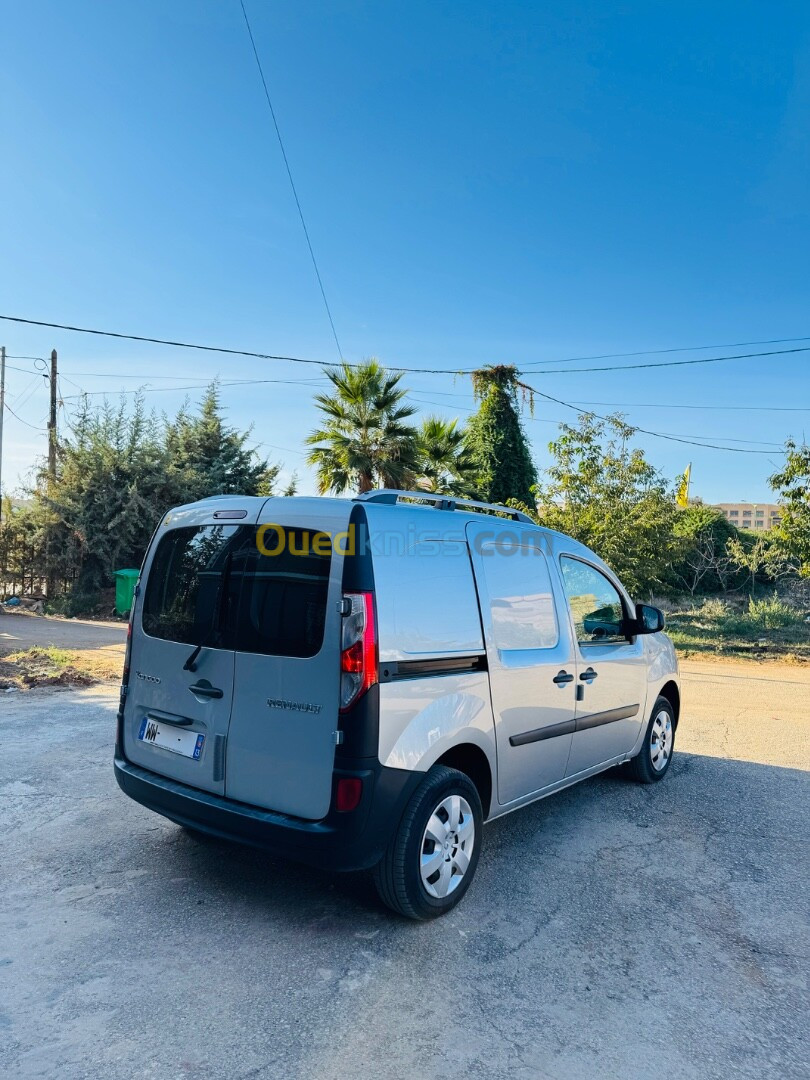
752 515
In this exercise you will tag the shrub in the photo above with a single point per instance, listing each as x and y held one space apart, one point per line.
771 613
715 608
73 604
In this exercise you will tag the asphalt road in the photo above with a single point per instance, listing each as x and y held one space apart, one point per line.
22 631
612 931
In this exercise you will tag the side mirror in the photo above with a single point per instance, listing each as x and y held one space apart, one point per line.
649 620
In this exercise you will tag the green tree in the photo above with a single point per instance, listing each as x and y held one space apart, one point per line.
605 493
118 471
792 486
761 557
498 449
110 489
206 457
704 564
364 440
444 463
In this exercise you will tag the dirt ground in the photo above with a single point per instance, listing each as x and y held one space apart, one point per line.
41 651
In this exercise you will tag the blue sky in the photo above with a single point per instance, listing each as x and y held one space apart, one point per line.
510 182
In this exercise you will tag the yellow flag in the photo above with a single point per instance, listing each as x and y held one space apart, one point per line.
682 498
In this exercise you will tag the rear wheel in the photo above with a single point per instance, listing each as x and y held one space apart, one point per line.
432 857
652 763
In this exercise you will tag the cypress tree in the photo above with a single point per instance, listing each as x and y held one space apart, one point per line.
499 449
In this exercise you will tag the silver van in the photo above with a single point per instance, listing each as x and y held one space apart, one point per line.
362 683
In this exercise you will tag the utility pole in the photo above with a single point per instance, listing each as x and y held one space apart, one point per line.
52 421
2 411
50 579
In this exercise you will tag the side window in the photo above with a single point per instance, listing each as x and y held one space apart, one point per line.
430 608
595 604
520 598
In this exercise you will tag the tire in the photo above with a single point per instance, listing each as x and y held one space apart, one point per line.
652 762
422 884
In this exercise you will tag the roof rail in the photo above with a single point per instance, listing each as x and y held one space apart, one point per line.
392 496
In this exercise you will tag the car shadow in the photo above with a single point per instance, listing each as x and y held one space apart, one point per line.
705 797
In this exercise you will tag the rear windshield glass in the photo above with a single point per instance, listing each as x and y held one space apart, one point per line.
226 586
184 588
283 597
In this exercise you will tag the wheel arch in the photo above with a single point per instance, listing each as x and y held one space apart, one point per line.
473 762
672 693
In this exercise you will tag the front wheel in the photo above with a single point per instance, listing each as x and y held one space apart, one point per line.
432 857
652 762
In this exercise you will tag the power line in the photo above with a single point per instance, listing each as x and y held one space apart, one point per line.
159 341
205 380
659 352
390 367
545 420
414 396
670 363
191 386
688 440
645 431
713 408
27 392
24 370
9 409
290 177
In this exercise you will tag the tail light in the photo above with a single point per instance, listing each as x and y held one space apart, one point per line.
358 647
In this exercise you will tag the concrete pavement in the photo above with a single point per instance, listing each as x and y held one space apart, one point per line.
613 931
23 631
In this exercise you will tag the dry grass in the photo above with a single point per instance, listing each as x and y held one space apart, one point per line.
764 629
60 667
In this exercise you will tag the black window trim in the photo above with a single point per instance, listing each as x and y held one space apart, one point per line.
614 581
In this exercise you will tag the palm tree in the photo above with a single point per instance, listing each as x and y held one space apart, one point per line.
364 440
444 460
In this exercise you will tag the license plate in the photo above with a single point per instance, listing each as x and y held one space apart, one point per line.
177 740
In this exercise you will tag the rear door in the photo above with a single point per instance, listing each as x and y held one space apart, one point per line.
176 715
530 653
281 743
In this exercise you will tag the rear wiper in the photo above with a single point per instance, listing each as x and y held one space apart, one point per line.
216 623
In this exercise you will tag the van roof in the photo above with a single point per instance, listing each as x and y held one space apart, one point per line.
444 517
399 509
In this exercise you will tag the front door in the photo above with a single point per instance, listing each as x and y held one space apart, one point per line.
530 654
612 670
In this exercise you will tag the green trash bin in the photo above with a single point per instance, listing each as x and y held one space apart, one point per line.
124 590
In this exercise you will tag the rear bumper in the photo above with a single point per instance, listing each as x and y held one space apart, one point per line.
341 841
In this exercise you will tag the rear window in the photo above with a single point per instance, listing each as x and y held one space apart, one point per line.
183 591
227 586
284 593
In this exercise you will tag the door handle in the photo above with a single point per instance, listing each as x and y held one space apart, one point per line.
562 677
205 689
588 675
